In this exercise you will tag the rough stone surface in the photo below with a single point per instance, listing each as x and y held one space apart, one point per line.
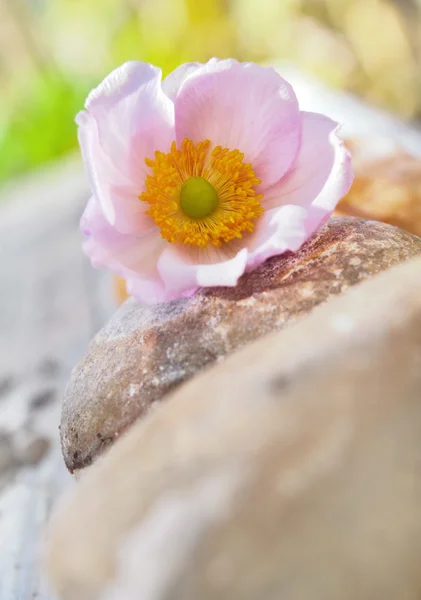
144 352
290 470
386 188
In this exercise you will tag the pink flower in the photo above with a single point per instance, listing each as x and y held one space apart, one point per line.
203 176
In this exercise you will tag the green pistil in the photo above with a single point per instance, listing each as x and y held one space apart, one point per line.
198 198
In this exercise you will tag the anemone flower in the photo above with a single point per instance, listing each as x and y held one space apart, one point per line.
204 175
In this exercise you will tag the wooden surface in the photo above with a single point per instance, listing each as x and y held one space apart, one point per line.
51 304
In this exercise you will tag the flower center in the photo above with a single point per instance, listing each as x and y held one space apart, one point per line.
200 196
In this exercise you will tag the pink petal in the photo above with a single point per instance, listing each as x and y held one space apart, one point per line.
174 80
305 198
118 195
129 105
129 118
242 106
321 173
99 168
133 257
278 230
184 269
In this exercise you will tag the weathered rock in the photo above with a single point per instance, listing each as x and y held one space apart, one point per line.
145 352
290 470
386 188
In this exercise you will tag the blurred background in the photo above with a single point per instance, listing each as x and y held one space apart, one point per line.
52 52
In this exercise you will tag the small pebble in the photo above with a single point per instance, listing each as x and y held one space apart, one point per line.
6 384
8 458
34 451
43 398
49 367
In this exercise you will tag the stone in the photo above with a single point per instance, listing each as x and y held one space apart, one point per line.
19 451
145 352
43 398
34 451
8 460
289 470
386 188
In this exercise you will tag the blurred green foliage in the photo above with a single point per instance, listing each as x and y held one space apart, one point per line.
42 123
52 52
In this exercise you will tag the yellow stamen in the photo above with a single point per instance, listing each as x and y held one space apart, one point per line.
238 204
